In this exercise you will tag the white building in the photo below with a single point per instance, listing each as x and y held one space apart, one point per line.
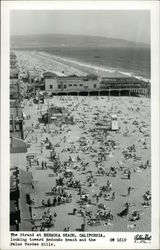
69 83
50 81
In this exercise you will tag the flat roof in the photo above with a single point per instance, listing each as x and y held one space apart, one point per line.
17 145
16 112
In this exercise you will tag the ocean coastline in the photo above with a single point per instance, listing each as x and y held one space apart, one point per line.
95 67
78 66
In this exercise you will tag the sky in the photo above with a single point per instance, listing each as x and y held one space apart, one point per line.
132 25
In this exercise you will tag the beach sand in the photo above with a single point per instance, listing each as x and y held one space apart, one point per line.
134 120
42 62
128 110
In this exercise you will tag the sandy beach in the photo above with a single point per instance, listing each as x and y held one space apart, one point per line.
41 62
134 121
95 158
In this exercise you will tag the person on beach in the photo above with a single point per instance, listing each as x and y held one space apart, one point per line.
33 219
30 163
129 191
113 196
147 163
55 215
97 198
49 202
109 185
80 190
43 203
129 175
49 211
125 211
42 164
45 164
78 158
70 159
99 180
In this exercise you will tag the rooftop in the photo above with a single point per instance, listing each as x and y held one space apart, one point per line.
120 79
17 145
49 74
16 111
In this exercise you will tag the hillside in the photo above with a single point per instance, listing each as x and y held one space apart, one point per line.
61 40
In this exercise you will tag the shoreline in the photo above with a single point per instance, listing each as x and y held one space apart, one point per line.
88 65
82 66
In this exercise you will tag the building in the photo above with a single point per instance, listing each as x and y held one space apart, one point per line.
16 121
18 146
120 82
20 201
33 76
15 219
23 75
50 81
13 56
122 86
13 60
39 85
76 84
18 149
17 89
57 114
14 73
14 90
91 85
20 180
13 66
69 84
20 187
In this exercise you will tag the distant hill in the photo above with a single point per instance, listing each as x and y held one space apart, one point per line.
62 40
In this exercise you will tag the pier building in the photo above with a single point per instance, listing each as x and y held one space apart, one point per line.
92 85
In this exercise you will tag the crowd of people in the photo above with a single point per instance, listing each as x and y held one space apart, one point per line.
89 162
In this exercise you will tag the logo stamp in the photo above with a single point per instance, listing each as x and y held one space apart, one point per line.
139 238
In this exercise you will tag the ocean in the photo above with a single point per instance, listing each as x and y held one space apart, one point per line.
135 61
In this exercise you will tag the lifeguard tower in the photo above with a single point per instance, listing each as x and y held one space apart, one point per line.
114 122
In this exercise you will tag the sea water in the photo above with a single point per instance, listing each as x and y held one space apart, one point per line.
131 60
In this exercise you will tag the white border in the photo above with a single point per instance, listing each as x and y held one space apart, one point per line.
153 6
